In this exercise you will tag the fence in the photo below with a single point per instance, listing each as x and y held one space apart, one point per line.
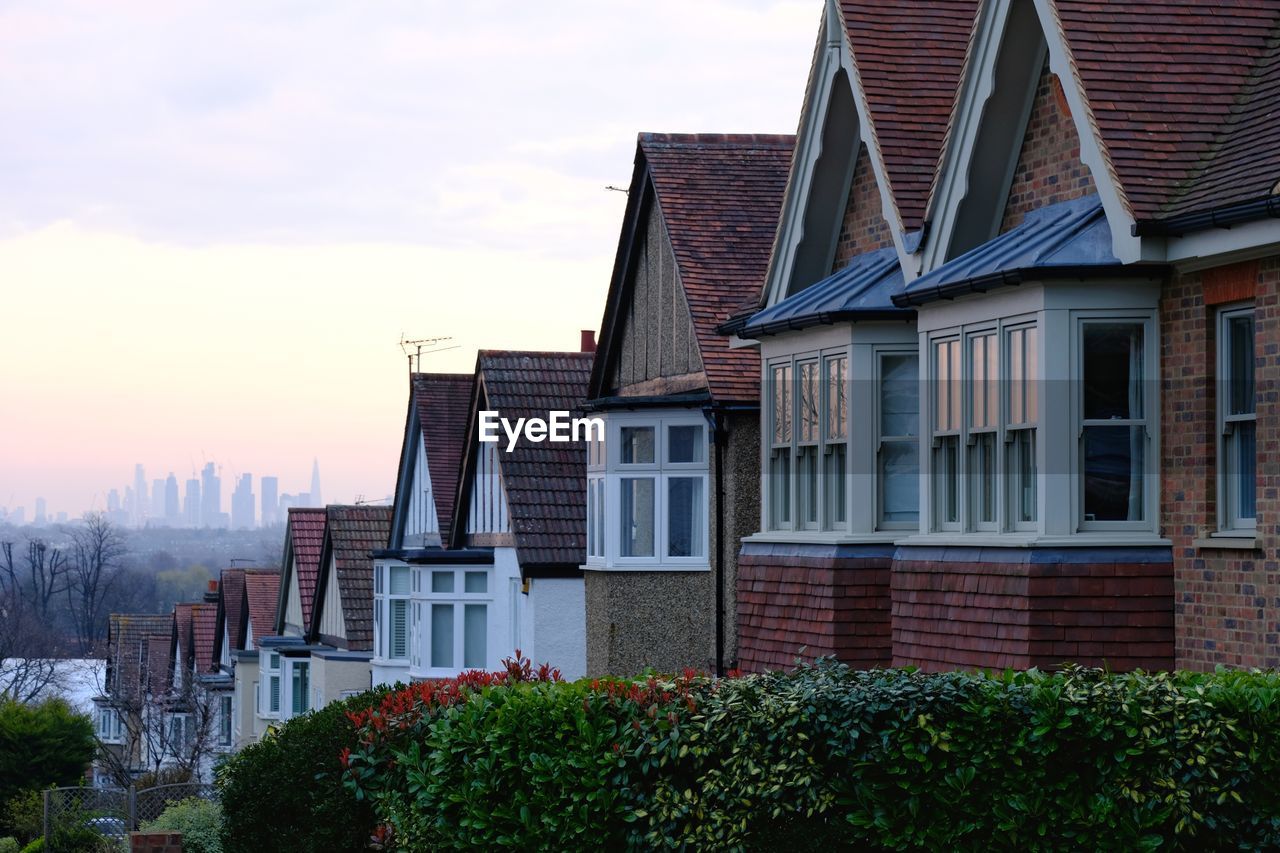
72 814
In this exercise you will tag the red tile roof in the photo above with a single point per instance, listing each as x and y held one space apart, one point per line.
204 619
231 609
182 632
443 401
545 482
128 638
909 56
720 196
261 597
351 535
305 536
1186 96
159 664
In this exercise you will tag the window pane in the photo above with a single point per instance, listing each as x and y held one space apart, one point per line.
636 516
442 581
807 484
475 636
399 630
900 482
442 636
837 398
808 401
780 486
1113 371
1022 465
1242 447
591 518
836 470
637 445
1031 375
274 694
600 519
947 382
982 369
1113 483
983 472
476 582
684 444
899 395
685 511
399 580
1240 352
946 479
782 404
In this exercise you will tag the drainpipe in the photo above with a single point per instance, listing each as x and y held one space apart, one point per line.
716 424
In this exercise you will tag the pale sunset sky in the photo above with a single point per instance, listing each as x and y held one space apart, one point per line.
217 219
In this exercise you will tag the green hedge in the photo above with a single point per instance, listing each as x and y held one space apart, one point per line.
827 756
285 793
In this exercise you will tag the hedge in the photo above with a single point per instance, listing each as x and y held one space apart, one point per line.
823 756
285 793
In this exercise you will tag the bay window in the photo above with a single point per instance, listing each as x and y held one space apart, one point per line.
269 686
451 611
946 433
647 500
780 446
1237 421
110 728
391 611
1113 424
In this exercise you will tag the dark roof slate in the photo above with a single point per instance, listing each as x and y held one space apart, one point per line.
128 637
863 288
261 596
306 532
231 599
545 482
443 402
203 623
720 196
351 535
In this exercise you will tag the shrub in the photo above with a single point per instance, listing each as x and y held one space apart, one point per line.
23 815
45 744
199 821
828 757
9 845
287 789
36 846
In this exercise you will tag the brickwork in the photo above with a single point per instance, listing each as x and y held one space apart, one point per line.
863 228
798 601
1049 168
1018 608
155 842
1225 600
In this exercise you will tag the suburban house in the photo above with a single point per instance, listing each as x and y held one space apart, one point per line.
672 483
246 597
133 662
422 512
1083 255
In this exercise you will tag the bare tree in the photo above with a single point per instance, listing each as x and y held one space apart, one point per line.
49 574
97 554
27 665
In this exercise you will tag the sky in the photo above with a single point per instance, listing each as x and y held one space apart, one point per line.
218 220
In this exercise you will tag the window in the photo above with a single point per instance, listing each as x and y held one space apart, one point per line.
299 687
897 445
946 434
1113 423
808 404
984 425
1020 431
226 719
657 480
110 729
391 612
835 441
181 731
780 447
453 614
269 686
1237 421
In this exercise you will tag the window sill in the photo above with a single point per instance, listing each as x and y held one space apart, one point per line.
1227 542
815 537
1034 540
655 567
390 663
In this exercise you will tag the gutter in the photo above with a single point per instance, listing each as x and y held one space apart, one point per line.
1012 278
825 318
1267 207
688 398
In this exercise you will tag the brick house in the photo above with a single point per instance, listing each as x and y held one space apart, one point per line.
671 488
247 603
1083 211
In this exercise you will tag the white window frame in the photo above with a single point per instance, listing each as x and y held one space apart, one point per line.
605 475
269 675
384 602
1230 520
1149 420
421 614
110 725
879 354
289 697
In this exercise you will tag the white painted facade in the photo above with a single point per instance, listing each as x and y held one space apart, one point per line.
421 523
332 623
488 508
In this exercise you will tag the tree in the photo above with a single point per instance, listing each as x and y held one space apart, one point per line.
98 551
27 641
45 744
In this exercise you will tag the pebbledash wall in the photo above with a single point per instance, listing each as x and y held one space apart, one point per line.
1227 600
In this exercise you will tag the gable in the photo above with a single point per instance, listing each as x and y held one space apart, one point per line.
417 523
332 612
863 228
1048 168
487 515
657 337
293 622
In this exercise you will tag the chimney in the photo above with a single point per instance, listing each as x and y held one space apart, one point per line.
212 595
588 340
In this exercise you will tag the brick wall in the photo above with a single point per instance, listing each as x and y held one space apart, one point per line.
810 601
155 842
1225 600
863 228
1049 168
1003 607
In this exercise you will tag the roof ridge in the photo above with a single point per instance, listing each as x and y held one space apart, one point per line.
771 140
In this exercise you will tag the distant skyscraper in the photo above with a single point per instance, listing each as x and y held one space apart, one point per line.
242 504
316 500
113 501
270 488
155 504
172 514
191 504
210 496
40 511
139 514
